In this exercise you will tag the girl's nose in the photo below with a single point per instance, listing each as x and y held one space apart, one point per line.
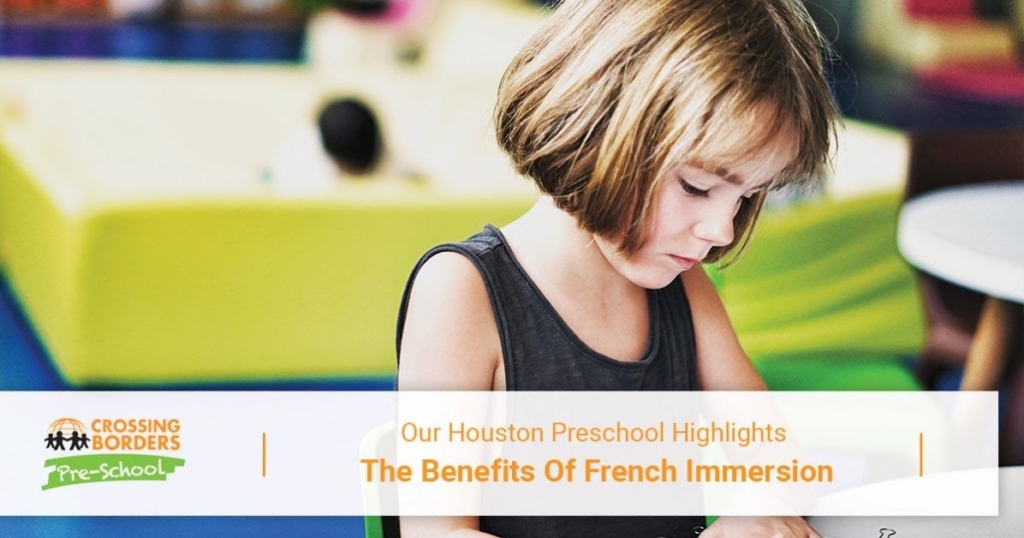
716 228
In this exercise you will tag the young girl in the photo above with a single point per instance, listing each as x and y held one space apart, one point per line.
654 130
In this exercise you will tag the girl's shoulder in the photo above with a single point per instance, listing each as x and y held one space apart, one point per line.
449 338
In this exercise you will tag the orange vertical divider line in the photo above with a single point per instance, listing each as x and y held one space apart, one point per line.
920 454
264 454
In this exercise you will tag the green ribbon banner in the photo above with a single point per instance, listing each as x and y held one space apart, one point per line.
95 468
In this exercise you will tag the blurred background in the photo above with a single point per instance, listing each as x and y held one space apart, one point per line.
230 194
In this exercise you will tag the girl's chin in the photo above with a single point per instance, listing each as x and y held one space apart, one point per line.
656 281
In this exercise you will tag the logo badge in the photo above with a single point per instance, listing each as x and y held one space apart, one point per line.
111 453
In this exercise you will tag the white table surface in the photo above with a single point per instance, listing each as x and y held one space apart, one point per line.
970 235
1009 523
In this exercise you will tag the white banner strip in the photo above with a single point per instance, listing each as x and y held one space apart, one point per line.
487 453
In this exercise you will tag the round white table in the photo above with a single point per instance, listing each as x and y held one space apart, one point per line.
1008 524
971 235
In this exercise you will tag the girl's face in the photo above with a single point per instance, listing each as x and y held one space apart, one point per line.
693 212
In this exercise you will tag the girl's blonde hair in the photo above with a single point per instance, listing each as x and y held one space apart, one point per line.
611 95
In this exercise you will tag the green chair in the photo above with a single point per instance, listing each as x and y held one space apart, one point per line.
379 443
821 299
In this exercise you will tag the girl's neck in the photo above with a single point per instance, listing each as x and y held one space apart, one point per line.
549 241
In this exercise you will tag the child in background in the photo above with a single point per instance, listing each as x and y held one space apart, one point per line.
654 130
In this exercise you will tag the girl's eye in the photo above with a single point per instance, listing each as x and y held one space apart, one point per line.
691 190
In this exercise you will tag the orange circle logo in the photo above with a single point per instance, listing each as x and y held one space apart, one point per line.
67 426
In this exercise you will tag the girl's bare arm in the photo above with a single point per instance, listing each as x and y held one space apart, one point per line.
722 365
721 362
450 342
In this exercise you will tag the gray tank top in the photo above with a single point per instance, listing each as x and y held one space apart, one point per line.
540 352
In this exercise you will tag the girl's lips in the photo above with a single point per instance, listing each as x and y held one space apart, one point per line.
684 263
